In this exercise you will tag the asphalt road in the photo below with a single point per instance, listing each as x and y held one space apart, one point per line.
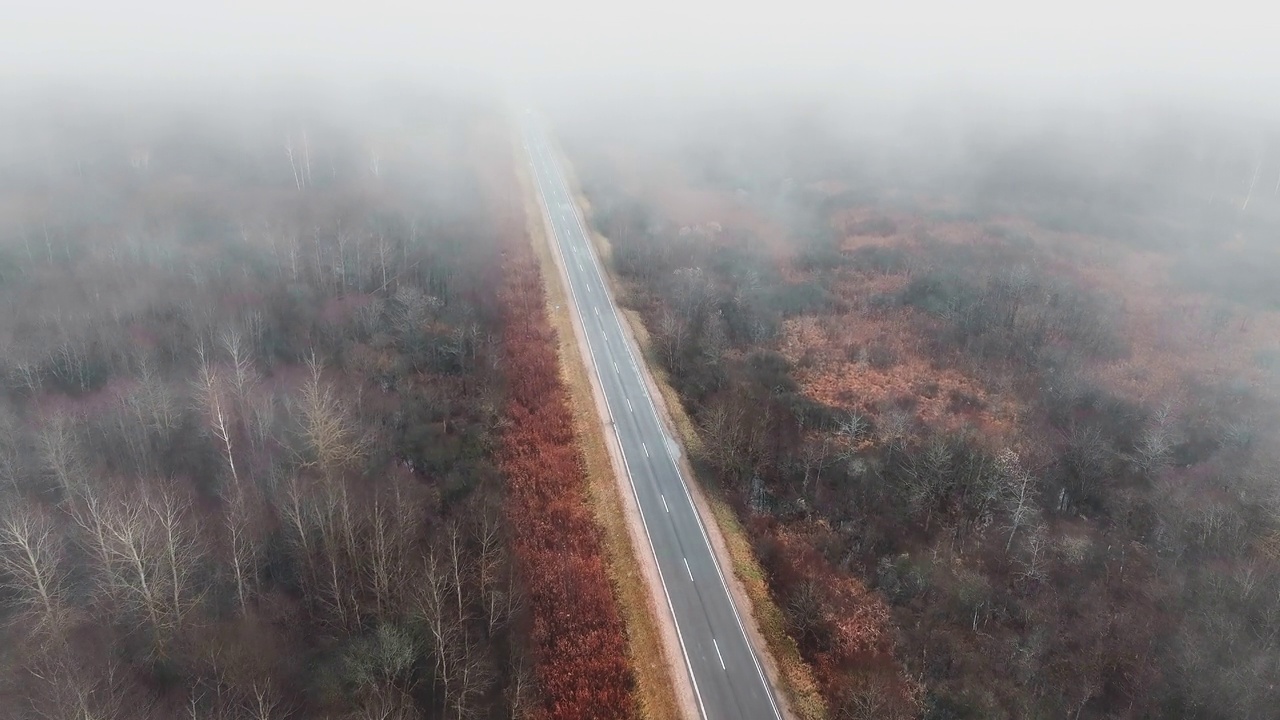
727 678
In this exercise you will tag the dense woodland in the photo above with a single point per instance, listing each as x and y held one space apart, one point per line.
262 452
999 415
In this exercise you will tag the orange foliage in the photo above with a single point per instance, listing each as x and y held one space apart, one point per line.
861 640
577 634
819 348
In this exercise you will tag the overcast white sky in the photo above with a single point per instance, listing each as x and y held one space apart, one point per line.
1218 46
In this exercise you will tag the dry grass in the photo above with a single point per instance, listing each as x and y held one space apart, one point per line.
654 693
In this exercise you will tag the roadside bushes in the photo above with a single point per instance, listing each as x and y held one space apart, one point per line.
577 636
843 628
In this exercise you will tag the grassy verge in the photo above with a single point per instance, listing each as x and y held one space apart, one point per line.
794 674
655 694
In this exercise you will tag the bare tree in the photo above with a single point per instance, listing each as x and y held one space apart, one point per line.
156 404
893 431
306 156
329 434
243 376
25 369
243 547
217 411
387 702
435 604
489 563
147 554
32 560
1154 448
520 689
671 336
723 434
384 248
1257 168
60 452
1018 490
12 464
261 418
393 524
293 165
815 456
265 704
929 477
1034 560
75 689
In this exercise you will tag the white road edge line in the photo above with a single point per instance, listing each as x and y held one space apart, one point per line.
627 344
702 709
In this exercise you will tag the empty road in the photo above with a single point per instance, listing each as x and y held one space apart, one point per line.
728 681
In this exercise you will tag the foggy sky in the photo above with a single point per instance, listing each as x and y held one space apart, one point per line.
1214 50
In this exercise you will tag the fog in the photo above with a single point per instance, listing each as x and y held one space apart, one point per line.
1011 67
1220 49
971 310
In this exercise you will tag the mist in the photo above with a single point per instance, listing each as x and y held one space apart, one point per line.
959 323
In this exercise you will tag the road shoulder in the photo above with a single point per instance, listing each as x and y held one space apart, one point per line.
663 689
763 620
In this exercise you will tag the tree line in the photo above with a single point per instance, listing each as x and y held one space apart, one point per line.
256 380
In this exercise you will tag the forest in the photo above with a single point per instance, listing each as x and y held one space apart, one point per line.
263 451
995 401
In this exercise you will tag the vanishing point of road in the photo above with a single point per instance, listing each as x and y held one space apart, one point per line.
727 678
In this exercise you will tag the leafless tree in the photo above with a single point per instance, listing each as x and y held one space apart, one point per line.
76 689
1034 560
384 250
690 293
671 336
24 367
387 702
60 452
1018 490
1154 448
209 394
244 549
261 418
489 565
393 523
520 689
894 431
815 456
868 700
456 661
12 444
32 564
723 434
147 554
1257 168
306 156
243 376
329 434
929 476
156 404
265 704
293 164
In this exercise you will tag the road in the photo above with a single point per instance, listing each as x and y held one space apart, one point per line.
726 675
